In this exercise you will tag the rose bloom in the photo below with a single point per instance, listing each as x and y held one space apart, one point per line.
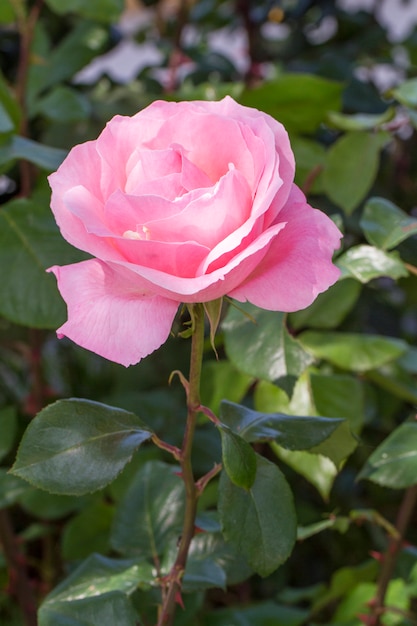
183 202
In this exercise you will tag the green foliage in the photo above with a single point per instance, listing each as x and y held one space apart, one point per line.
29 236
394 462
250 517
78 446
305 444
351 167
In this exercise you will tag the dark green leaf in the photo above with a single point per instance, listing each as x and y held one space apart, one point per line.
351 168
351 351
88 532
394 463
239 460
83 42
101 10
6 122
310 157
339 395
50 506
329 308
151 512
8 430
385 225
8 100
261 614
18 147
219 380
263 349
299 101
77 446
259 523
290 431
366 263
107 574
97 594
62 104
29 236
11 489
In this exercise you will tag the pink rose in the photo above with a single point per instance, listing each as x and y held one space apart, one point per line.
184 202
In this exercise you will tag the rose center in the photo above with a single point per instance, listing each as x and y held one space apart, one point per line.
133 234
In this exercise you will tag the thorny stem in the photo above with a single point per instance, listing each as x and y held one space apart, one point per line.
18 578
390 558
174 578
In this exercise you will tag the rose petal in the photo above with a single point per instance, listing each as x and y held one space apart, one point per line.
218 283
298 265
109 315
209 216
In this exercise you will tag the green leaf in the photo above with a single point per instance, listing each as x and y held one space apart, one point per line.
394 462
329 308
360 121
299 101
82 44
290 431
317 469
263 349
385 225
239 460
62 104
50 506
339 394
261 614
345 580
6 122
310 158
44 157
151 512
211 562
101 10
351 167
8 430
211 547
97 594
366 263
78 446
87 532
355 352
11 489
9 103
260 523
219 380
29 236
406 93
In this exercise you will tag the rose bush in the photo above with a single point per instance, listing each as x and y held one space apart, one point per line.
184 202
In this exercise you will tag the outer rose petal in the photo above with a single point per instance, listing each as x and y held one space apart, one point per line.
298 265
109 315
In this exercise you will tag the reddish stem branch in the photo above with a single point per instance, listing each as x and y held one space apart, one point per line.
390 558
18 578
173 580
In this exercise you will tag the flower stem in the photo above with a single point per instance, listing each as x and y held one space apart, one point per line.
390 558
174 578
